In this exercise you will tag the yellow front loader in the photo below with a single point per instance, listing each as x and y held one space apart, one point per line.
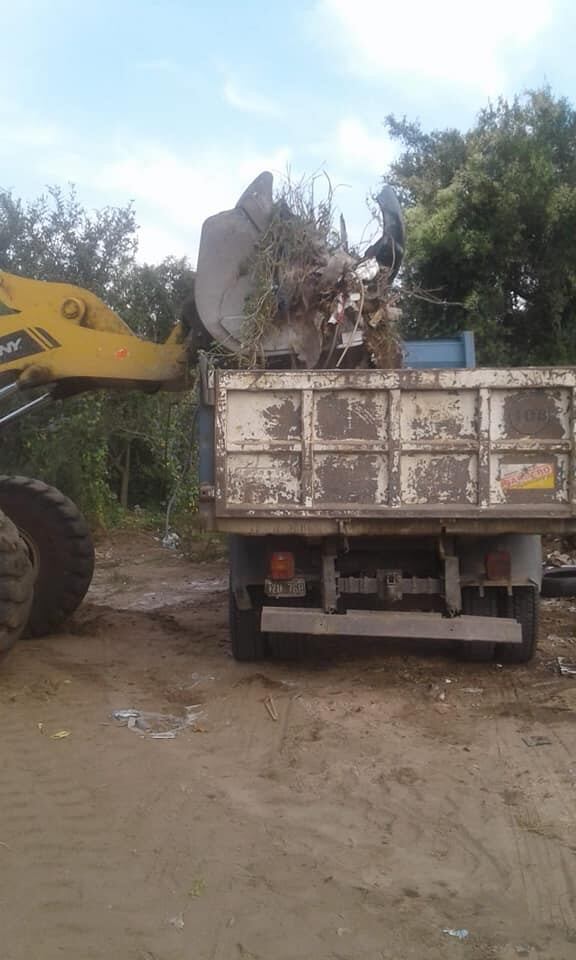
62 340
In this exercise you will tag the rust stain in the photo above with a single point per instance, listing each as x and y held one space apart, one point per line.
355 416
282 419
440 415
347 479
263 479
440 479
534 413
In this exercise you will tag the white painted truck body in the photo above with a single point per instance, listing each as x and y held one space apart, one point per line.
458 446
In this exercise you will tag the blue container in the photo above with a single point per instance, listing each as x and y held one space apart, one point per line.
458 352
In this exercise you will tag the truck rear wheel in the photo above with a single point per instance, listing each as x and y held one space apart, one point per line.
16 584
59 545
287 646
524 606
248 641
476 605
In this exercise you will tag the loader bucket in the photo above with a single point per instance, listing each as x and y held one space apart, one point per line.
227 242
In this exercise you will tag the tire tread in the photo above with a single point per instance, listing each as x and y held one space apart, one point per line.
63 579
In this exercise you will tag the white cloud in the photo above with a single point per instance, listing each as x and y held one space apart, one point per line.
174 195
248 101
361 150
29 135
452 41
155 242
19 131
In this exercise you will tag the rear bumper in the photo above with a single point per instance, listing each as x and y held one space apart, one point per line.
401 626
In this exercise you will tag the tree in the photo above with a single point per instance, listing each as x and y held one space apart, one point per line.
142 430
55 238
491 221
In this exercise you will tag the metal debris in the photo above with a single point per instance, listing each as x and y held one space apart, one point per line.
271 708
462 934
171 540
177 921
158 726
537 741
60 735
198 678
567 667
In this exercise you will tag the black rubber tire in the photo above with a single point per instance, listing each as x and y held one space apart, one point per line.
287 646
557 584
476 605
60 545
524 606
248 642
16 585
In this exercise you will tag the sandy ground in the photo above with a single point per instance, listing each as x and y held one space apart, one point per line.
398 794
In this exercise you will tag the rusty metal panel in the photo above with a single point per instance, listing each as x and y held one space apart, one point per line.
358 478
350 415
352 445
530 414
439 478
254 415
263 479
439 415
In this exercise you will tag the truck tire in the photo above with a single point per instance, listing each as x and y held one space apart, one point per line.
16 585
476 605
59 545
287 646
524 606
560 582
248 641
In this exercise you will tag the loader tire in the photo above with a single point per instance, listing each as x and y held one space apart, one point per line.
16 585
59 545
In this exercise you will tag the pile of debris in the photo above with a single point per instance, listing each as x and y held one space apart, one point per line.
278 286
559 552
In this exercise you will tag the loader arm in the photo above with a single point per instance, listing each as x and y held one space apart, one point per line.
64 338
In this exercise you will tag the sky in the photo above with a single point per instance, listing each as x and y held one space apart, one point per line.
176 106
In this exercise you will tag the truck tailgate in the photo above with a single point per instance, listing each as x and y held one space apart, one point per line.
395 444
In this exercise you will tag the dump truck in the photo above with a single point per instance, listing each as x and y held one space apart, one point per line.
387 503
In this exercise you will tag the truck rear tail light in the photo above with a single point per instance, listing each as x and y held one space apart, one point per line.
282 566
498 565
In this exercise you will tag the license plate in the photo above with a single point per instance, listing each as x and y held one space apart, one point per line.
285 588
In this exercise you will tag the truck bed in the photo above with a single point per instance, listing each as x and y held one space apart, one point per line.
369 451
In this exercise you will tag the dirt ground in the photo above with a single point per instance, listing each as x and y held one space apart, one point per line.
398 795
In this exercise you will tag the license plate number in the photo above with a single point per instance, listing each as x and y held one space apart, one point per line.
285 588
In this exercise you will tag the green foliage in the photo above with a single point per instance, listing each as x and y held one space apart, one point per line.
55 238
107 451
491 222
